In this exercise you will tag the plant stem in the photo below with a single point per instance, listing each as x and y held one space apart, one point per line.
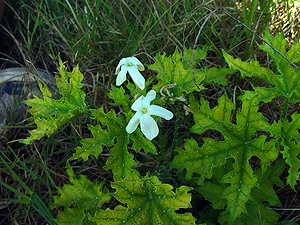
284 112
178 118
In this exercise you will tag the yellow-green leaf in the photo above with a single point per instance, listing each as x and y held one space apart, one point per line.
148 201
87 198
49 113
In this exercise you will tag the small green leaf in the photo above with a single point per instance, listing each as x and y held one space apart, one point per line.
260 94
86 196
93 146
119 97
148 202
173 70
195 54
290 140
50 114
121 161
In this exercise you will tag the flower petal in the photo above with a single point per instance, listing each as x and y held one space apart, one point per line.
122 62
137 62
137 76
137 105
149 97
149 126
155 110
121 75
134 122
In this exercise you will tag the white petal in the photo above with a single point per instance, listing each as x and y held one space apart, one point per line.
121 75
137 105
137 76
137 62
155 110
149 126
122 62
134 122
149 97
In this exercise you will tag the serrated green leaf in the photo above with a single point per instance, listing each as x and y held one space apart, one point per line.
217 75
286 83
93 146
119 97
121 161
239 143
148 202
173 70
258 212
249 69
86 196
260 94
290 139
50 114
195 54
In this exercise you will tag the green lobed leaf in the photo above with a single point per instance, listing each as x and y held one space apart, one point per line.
148 202
257 211
217 75
93 146
86 196
260 94
50 114
290 140
195 54
121 161
119 97
239 143
173 70
249 69
286 83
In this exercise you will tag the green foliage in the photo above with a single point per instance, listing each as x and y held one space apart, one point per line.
122 161
50 114
176 70
148 202
213 188
119 97
234 168
285 84
290 139
238 143
258 211
86 196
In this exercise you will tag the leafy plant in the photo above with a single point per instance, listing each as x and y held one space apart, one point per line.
234 169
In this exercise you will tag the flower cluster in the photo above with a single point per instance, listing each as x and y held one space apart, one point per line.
142 106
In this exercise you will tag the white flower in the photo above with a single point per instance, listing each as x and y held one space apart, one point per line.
143 114
131 65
